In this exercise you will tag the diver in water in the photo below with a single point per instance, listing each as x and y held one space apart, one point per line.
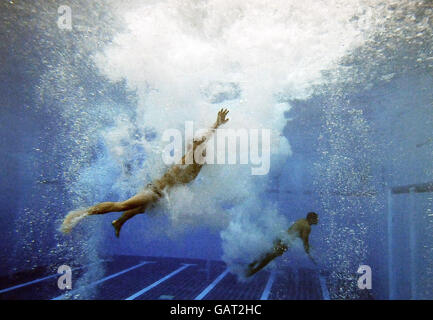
301 228
180 173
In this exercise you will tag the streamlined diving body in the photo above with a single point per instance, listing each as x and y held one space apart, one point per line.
180 173
301 228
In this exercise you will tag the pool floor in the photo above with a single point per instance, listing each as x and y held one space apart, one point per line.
161 278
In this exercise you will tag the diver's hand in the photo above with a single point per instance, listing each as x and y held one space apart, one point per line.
221 118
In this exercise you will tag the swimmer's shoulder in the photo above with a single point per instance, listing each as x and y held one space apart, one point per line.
301 224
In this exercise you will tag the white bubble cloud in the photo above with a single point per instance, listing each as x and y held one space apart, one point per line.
187 59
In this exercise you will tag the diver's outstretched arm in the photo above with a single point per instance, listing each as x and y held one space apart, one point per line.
314 261
221 119
304 236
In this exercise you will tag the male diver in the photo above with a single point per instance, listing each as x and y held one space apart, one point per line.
180 173
301 228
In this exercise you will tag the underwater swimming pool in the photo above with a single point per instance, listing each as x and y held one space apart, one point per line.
330 110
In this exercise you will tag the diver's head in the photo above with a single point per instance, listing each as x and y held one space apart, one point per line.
312 218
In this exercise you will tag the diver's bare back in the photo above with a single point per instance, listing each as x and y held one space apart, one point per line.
181 173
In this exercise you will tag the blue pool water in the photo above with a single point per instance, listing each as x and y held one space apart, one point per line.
345 90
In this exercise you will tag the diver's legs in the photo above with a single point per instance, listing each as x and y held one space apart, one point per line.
253 268
139 200
106 207
117 224
263 263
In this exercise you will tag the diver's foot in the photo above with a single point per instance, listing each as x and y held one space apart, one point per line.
251 269
249 272
72 219
116 225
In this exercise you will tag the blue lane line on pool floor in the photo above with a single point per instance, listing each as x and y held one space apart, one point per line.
153 285
103 279
211 286
267 291
325 292
42 279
